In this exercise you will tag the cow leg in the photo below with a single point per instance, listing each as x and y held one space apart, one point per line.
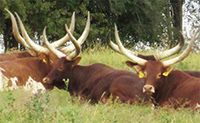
125 90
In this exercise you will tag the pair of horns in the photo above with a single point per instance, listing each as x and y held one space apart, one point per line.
158 56
133 56
76 43
26 40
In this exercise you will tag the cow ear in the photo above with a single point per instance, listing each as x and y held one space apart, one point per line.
43 57
135 66
167 71
76 61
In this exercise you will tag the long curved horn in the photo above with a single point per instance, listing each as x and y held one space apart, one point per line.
66 37
140 61
184 54
51 48
170 52
15 30
158 56
76 44
116 48
28 40
82 38
59 53
39 48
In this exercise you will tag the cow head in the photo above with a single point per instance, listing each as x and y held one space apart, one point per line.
62 70
152 71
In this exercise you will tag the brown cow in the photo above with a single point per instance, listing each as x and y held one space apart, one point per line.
28 72
96 82
30 53
31 70
167 86
158 56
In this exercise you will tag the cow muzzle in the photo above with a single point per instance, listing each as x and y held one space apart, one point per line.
148 89
46 80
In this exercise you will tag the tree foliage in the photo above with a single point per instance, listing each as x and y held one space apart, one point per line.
137 20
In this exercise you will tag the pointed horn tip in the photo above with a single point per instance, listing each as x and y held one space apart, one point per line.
7 10
115 26
44 30
44 34
73 15
17 15
88 17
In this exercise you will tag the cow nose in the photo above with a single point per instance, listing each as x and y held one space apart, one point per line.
149 89
46 80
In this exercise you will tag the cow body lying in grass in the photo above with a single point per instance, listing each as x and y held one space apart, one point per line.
96 82
167 86
29 71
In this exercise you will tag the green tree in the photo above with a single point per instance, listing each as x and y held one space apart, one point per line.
35 14
137 20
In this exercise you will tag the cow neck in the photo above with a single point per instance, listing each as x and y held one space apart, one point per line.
85 76
82 73
42 69
168 85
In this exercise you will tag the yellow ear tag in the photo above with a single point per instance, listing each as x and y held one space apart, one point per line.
44 60
141 74
166 73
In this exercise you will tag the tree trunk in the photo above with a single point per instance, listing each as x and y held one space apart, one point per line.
177 7
177 17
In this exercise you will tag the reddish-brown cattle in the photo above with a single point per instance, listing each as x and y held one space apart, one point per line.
158 56
95 82
30 71
167 86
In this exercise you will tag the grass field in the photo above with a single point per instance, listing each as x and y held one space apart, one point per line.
56 106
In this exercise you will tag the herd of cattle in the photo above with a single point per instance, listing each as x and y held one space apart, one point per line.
45 67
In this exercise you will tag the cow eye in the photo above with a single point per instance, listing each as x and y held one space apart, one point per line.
51 62
158 76
60 68
145 74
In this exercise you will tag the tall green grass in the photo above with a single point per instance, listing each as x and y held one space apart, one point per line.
57 106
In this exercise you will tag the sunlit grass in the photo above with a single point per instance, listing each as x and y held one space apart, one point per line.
61 109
